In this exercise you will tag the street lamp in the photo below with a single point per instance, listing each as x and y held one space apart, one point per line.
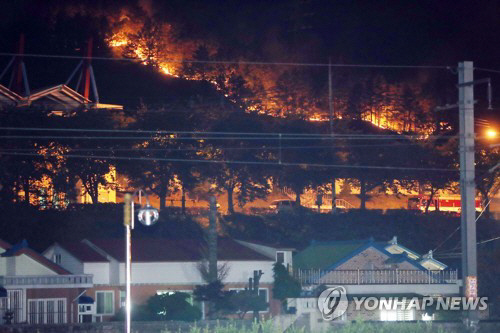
147 216
491 133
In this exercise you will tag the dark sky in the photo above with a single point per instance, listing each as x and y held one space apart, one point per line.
424 31
396 32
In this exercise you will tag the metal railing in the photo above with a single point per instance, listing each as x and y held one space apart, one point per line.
389 276
341 203
26 280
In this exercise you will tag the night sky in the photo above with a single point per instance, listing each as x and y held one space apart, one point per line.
383 32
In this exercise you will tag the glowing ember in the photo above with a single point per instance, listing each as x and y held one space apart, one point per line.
318 117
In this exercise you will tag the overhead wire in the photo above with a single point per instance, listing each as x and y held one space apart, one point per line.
403 145
282 134
234 62
493 191
48 137
274 163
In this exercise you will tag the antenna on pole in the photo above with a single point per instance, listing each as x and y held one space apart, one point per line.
332 115
19 78
330 95
86 79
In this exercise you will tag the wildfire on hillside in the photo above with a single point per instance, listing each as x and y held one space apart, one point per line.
119 41
270 90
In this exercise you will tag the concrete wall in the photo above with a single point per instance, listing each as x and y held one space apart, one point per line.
100 271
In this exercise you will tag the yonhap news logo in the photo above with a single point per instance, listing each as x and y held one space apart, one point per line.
421 304
332 302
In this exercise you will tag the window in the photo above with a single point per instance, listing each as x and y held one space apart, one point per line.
123 298
47 311
398 314
104 301
15 304
56 258
280 257
264 293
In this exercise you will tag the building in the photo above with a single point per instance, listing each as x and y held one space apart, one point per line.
164 266
369 268
37 290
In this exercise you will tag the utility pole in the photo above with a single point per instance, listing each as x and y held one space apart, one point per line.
465 105
127 222
332 114
467 183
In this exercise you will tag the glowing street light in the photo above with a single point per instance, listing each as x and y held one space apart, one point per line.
491 133
147 216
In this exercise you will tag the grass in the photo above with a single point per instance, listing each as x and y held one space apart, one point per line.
355 327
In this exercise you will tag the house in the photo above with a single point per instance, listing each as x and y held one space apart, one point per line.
37 290
163 266
369 268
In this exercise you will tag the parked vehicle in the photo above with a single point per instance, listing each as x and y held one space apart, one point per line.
449 203
282 205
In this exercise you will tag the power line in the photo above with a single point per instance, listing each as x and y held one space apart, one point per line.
97 157
285 134
452 254
489 240
458 228
487 70
224 148
303 64
335 137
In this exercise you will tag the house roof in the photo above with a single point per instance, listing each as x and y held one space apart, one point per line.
274 245
22 248
4 245
82 252
156 250
9 96
321 255
330 255
433 261
61 95
395 248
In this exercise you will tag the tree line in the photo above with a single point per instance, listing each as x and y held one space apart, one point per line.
245 154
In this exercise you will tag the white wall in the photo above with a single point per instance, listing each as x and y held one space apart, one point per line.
114 272
187 272
3 265
27 266
100 271
240 271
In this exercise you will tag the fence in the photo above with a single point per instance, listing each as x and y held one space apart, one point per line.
85 280
359 276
